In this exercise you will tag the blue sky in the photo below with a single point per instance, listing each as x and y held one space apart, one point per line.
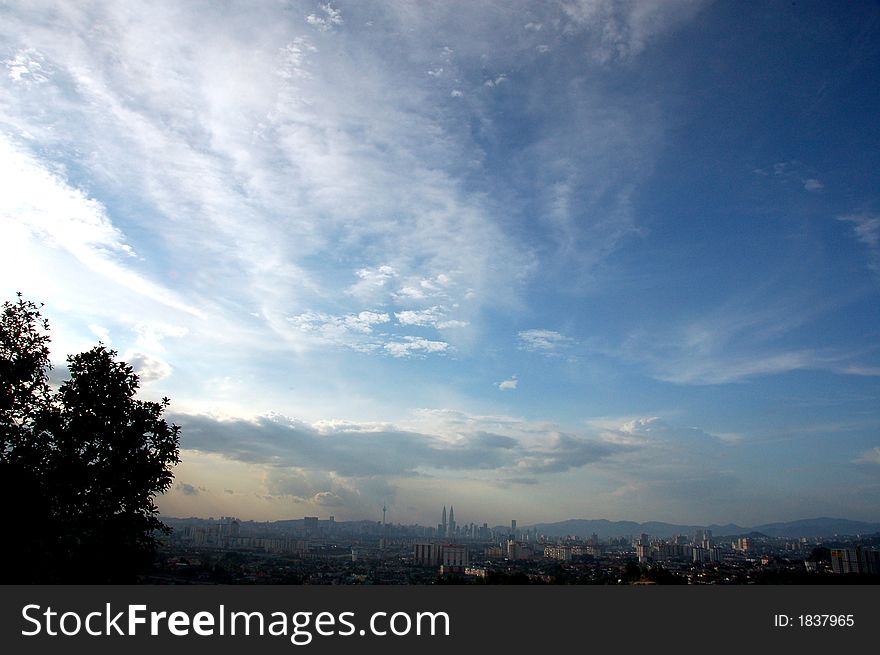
536 260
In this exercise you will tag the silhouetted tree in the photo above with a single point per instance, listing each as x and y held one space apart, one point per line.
24 376
632 571
82 465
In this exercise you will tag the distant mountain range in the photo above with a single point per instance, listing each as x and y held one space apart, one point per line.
820 527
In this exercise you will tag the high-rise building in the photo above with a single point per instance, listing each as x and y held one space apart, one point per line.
427 554
454 557
451 557
700 554
451 532
855 560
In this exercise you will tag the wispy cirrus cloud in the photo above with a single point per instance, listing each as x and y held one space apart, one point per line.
40 205
742 338
195 148
625 28
190 145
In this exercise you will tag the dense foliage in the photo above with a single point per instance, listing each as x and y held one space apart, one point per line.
79 466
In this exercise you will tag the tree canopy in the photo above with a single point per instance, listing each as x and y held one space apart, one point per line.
80 465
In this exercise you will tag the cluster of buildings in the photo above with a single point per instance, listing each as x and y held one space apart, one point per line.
700 549
451 558
855 560
449 529
317 550
226 534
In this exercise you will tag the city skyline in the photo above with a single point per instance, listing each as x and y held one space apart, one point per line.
543 261
817 527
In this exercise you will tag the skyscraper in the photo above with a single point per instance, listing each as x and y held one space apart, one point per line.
855 560
451 532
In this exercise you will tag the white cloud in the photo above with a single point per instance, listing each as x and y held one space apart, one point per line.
491 83
507 385
354 331
61 215
416 288
328 499
866 228
433 316
330 19
149 368
40 206
27 67
373 282
365 321
447 325
620 31
357 332
864 371
871 456
641 425
794 172
428 316
415 346
151 335
101 332
547 342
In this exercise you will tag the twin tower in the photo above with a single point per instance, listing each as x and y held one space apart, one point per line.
447 529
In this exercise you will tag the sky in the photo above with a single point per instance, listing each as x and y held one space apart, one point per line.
567 259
